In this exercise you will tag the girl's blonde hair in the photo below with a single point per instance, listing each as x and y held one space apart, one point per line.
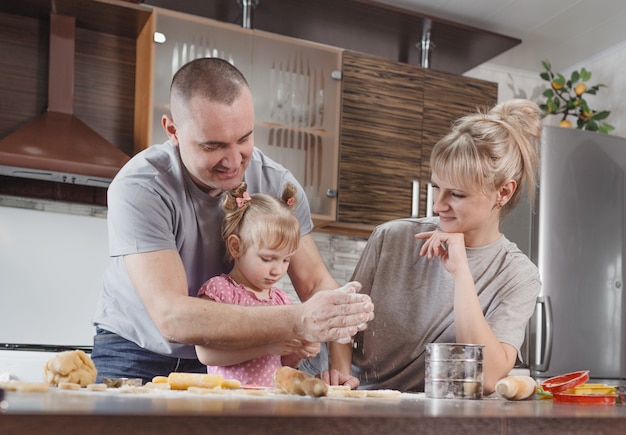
484 150
261 219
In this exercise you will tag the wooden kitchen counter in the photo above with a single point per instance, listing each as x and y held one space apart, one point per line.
62 411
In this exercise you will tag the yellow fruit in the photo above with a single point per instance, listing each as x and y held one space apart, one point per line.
556 85
580 89
586 115
565 124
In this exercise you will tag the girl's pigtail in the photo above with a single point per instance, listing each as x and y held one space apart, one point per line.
289 195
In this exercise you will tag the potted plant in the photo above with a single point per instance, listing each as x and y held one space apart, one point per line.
565 98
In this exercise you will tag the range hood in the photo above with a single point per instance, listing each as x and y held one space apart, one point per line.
57 146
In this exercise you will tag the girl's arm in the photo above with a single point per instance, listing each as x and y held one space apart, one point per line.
340 366
228 357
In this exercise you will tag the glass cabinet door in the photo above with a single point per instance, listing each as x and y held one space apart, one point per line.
297 92
295 85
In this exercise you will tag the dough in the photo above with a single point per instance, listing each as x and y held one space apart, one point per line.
294 381
32 387
97 387
73 366
69 386
182 380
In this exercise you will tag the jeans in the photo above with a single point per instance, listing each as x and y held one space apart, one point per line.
116 357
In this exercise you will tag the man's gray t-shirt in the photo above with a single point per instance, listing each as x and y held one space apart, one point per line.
414 300
152 205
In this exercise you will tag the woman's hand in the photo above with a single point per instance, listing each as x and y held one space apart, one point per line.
449 247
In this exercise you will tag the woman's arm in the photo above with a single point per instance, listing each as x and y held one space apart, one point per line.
470 324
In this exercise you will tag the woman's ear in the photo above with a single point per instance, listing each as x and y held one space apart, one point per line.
506 192
233 244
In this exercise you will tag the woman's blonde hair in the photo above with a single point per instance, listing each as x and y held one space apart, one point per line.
484 150
261 219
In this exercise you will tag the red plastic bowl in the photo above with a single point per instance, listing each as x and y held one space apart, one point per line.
565 382
603 399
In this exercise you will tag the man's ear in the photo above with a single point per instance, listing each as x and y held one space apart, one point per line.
233 244
170 129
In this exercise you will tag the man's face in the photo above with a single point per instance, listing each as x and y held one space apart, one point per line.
215 140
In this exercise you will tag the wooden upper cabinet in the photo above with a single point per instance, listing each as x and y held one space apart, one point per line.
448 97
392 116
381 125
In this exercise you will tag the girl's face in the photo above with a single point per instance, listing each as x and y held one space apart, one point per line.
261 268
471 212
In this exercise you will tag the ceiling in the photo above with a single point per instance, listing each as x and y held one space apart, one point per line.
565 32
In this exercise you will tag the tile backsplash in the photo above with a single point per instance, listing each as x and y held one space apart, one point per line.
340 253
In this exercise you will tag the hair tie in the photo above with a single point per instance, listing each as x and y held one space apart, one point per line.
291 202
245 198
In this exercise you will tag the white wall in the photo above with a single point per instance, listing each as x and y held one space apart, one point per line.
52 257
607 67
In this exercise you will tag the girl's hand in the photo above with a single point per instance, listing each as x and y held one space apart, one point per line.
284 347
308 350
335 377
449 247
300 348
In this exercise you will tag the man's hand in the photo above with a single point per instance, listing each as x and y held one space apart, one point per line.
335 315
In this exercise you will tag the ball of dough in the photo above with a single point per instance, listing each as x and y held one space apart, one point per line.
73 366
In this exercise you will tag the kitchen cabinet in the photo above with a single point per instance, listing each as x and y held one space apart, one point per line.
381 125
392 116
296 98
393 112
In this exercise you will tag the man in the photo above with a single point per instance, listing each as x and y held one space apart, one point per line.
164 232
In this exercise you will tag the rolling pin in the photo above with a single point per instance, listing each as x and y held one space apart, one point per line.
294 381
516 387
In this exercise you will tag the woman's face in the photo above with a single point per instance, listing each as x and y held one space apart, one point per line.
471 212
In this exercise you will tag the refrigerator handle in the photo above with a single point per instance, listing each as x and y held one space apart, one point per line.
429 200
544 348
415 198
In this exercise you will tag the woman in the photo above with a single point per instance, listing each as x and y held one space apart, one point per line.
455 277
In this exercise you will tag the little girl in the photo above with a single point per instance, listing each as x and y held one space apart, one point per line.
261 234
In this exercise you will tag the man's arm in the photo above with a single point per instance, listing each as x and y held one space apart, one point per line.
307 270
160 280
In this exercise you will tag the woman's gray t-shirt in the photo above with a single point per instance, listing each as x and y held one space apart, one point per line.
413 301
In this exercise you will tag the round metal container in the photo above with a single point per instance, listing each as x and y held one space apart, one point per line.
454 371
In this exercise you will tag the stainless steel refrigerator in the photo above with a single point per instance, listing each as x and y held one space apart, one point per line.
577 238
